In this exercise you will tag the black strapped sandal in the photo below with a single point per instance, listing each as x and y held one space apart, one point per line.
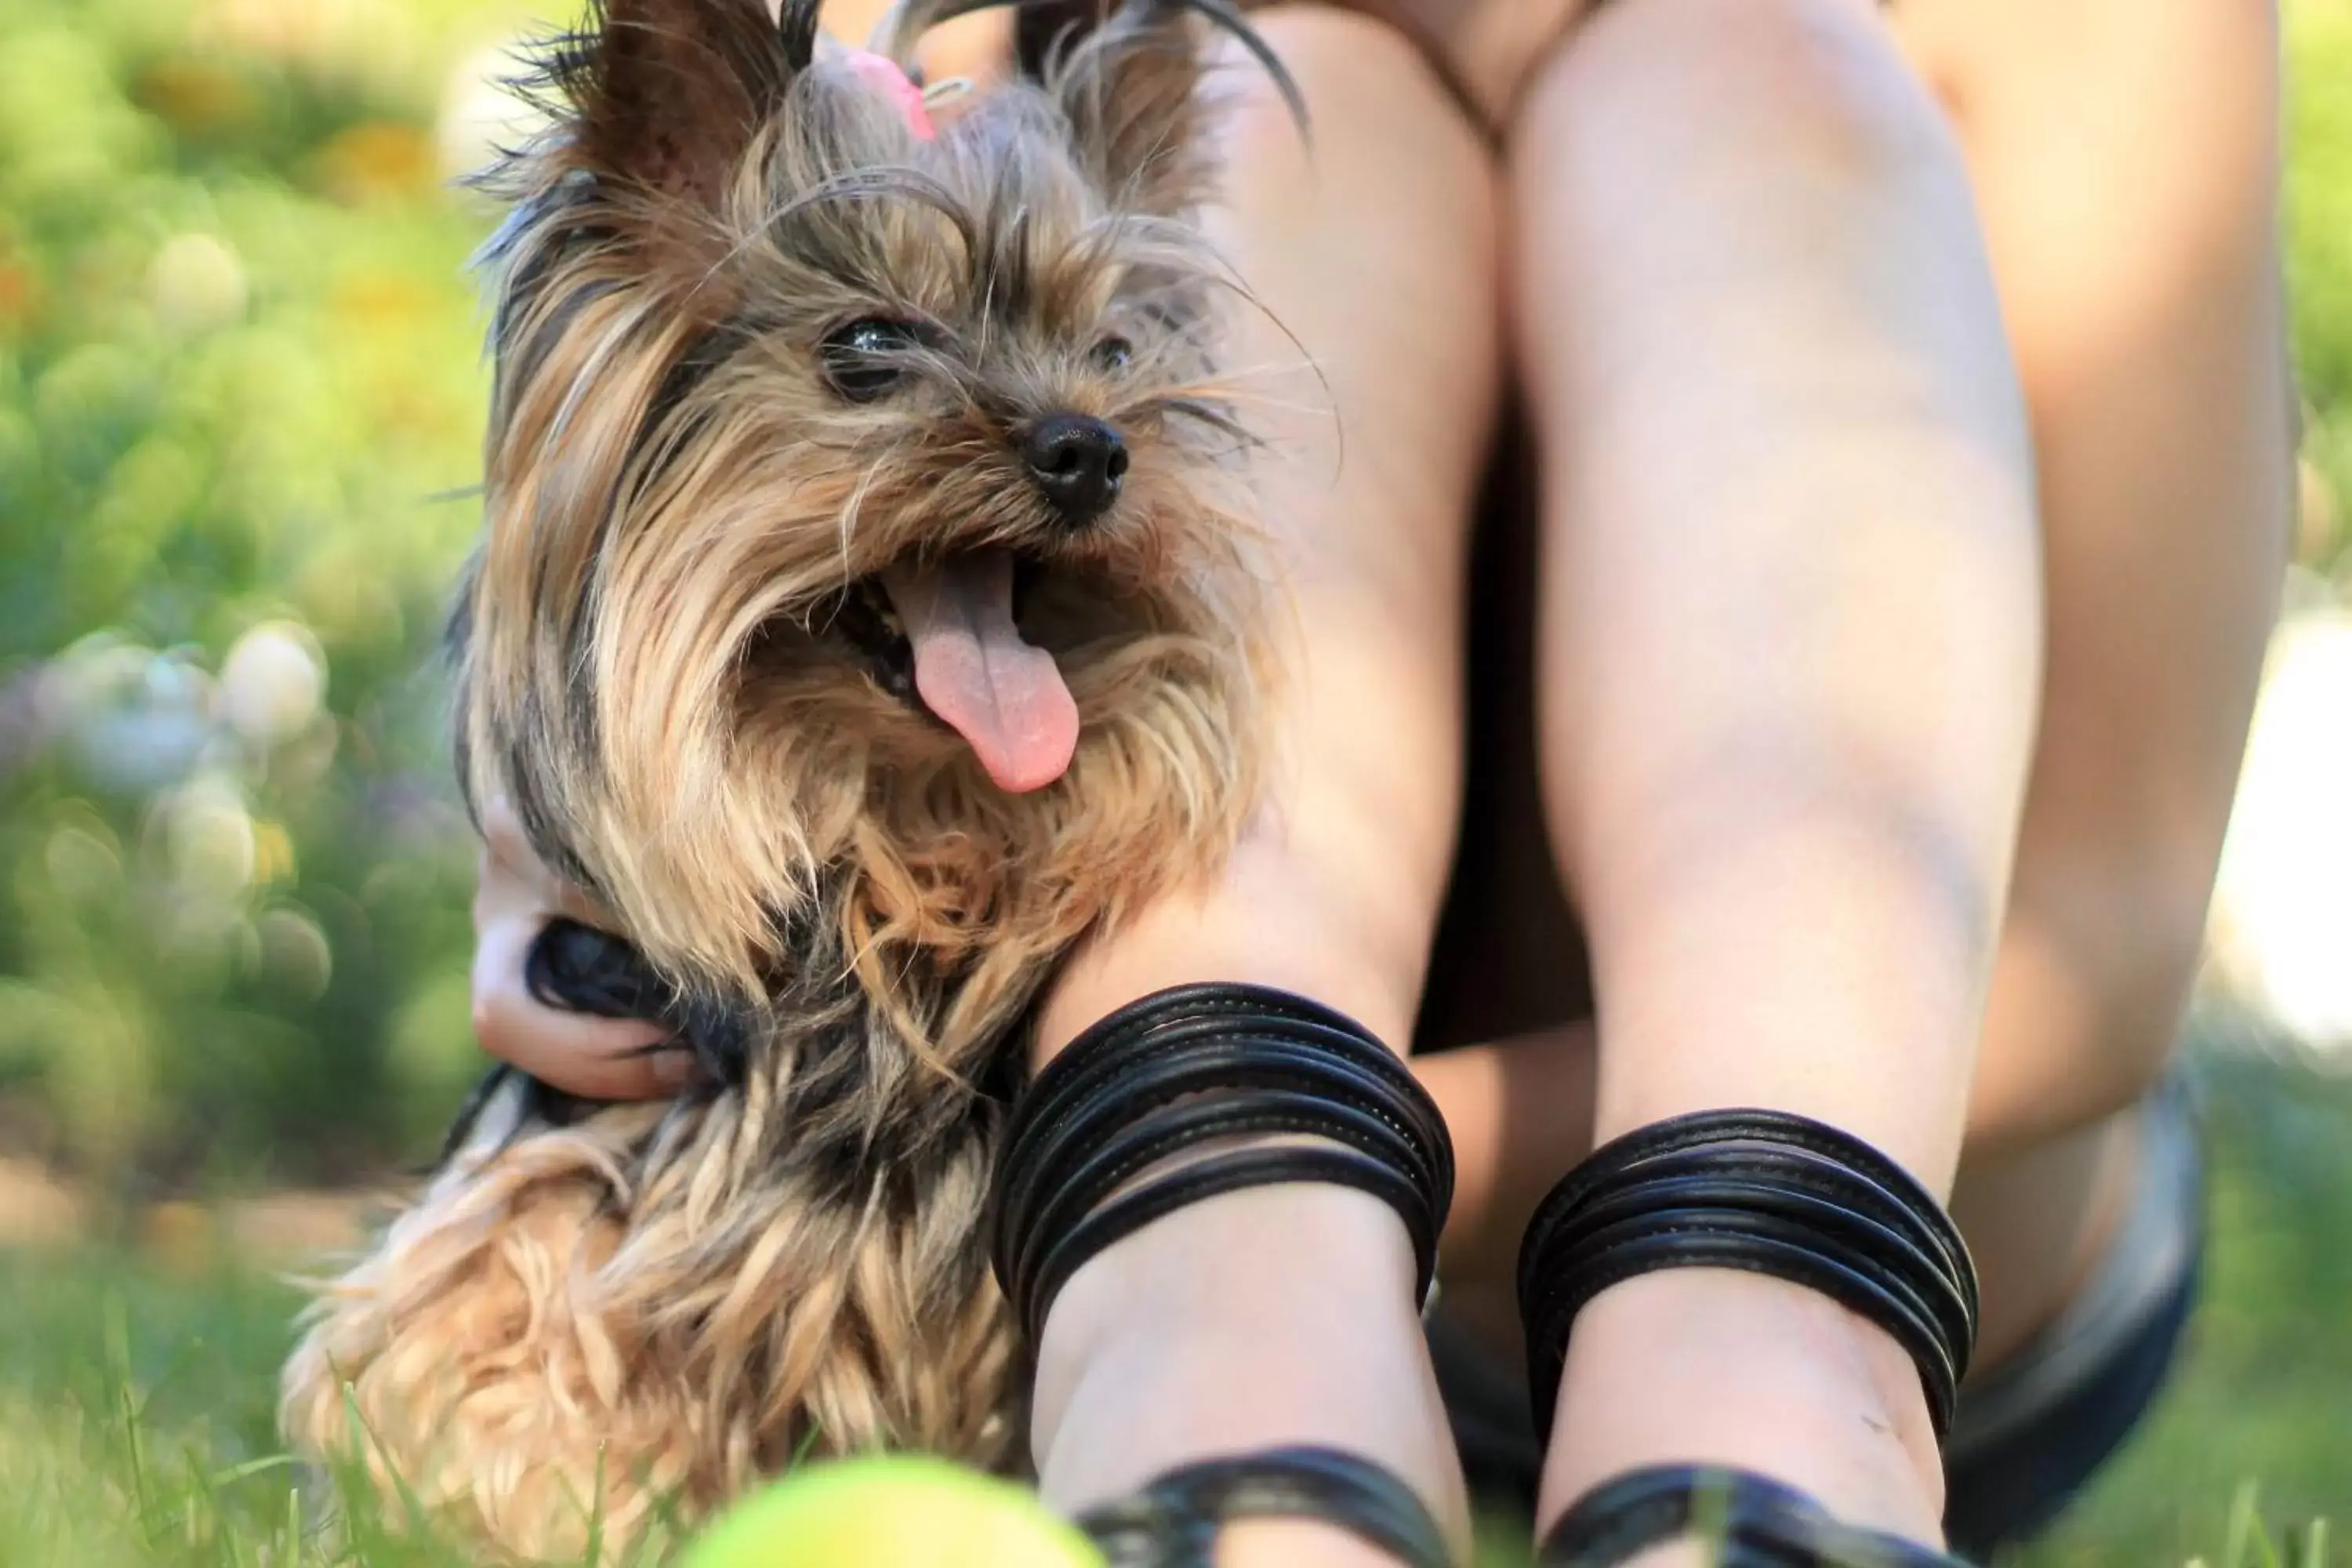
1770 1193
1751 1522
1180 1073
1174 1521
1192 1064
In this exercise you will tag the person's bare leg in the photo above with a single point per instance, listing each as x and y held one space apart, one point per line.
2153 493
1790 635
1285 1314
2148 325
2126 164
2155 376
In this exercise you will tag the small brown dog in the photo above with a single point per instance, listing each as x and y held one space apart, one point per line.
866 611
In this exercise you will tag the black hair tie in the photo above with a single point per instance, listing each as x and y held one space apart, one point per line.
1173 1523
1752 1522
1184 1067
1764 1192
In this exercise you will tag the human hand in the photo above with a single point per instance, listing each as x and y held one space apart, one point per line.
595 1058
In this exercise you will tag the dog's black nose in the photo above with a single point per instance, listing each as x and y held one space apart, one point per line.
1079 462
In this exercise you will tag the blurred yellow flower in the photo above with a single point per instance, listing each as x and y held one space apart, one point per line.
378 160
386 303
195 96
273 853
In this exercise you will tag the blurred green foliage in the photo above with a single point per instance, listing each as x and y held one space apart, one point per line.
2319 268
240 393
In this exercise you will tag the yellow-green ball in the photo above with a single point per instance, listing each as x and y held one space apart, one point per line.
892 1510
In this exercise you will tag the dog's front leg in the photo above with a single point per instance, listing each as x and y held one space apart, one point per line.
474 1358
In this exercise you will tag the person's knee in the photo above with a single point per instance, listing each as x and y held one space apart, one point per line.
1377 111
2087 1001
1319 42
1818 81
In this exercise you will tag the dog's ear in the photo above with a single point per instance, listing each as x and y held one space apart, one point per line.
665 95
1129 78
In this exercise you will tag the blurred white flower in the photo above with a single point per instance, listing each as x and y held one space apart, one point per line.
209 838
2283 907
273 682
97 671
197 283
133 719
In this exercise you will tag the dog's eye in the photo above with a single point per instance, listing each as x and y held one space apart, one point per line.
1113 354
861 359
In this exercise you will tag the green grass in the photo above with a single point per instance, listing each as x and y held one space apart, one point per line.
2260 1416
135 1402
135 1429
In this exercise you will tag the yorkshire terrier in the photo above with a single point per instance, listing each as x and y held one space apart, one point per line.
867 610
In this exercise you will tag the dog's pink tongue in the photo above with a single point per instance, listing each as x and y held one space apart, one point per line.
973 670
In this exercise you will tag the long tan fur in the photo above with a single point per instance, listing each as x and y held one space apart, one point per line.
667 1302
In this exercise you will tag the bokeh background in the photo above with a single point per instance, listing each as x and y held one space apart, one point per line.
240 391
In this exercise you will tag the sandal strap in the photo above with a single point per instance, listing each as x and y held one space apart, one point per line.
1763 1192
1195 1065
1174 1521
1750 1520
1753 1522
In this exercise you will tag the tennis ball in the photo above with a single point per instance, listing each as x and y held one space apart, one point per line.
892 1510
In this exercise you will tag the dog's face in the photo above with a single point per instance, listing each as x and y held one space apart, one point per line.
859 497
